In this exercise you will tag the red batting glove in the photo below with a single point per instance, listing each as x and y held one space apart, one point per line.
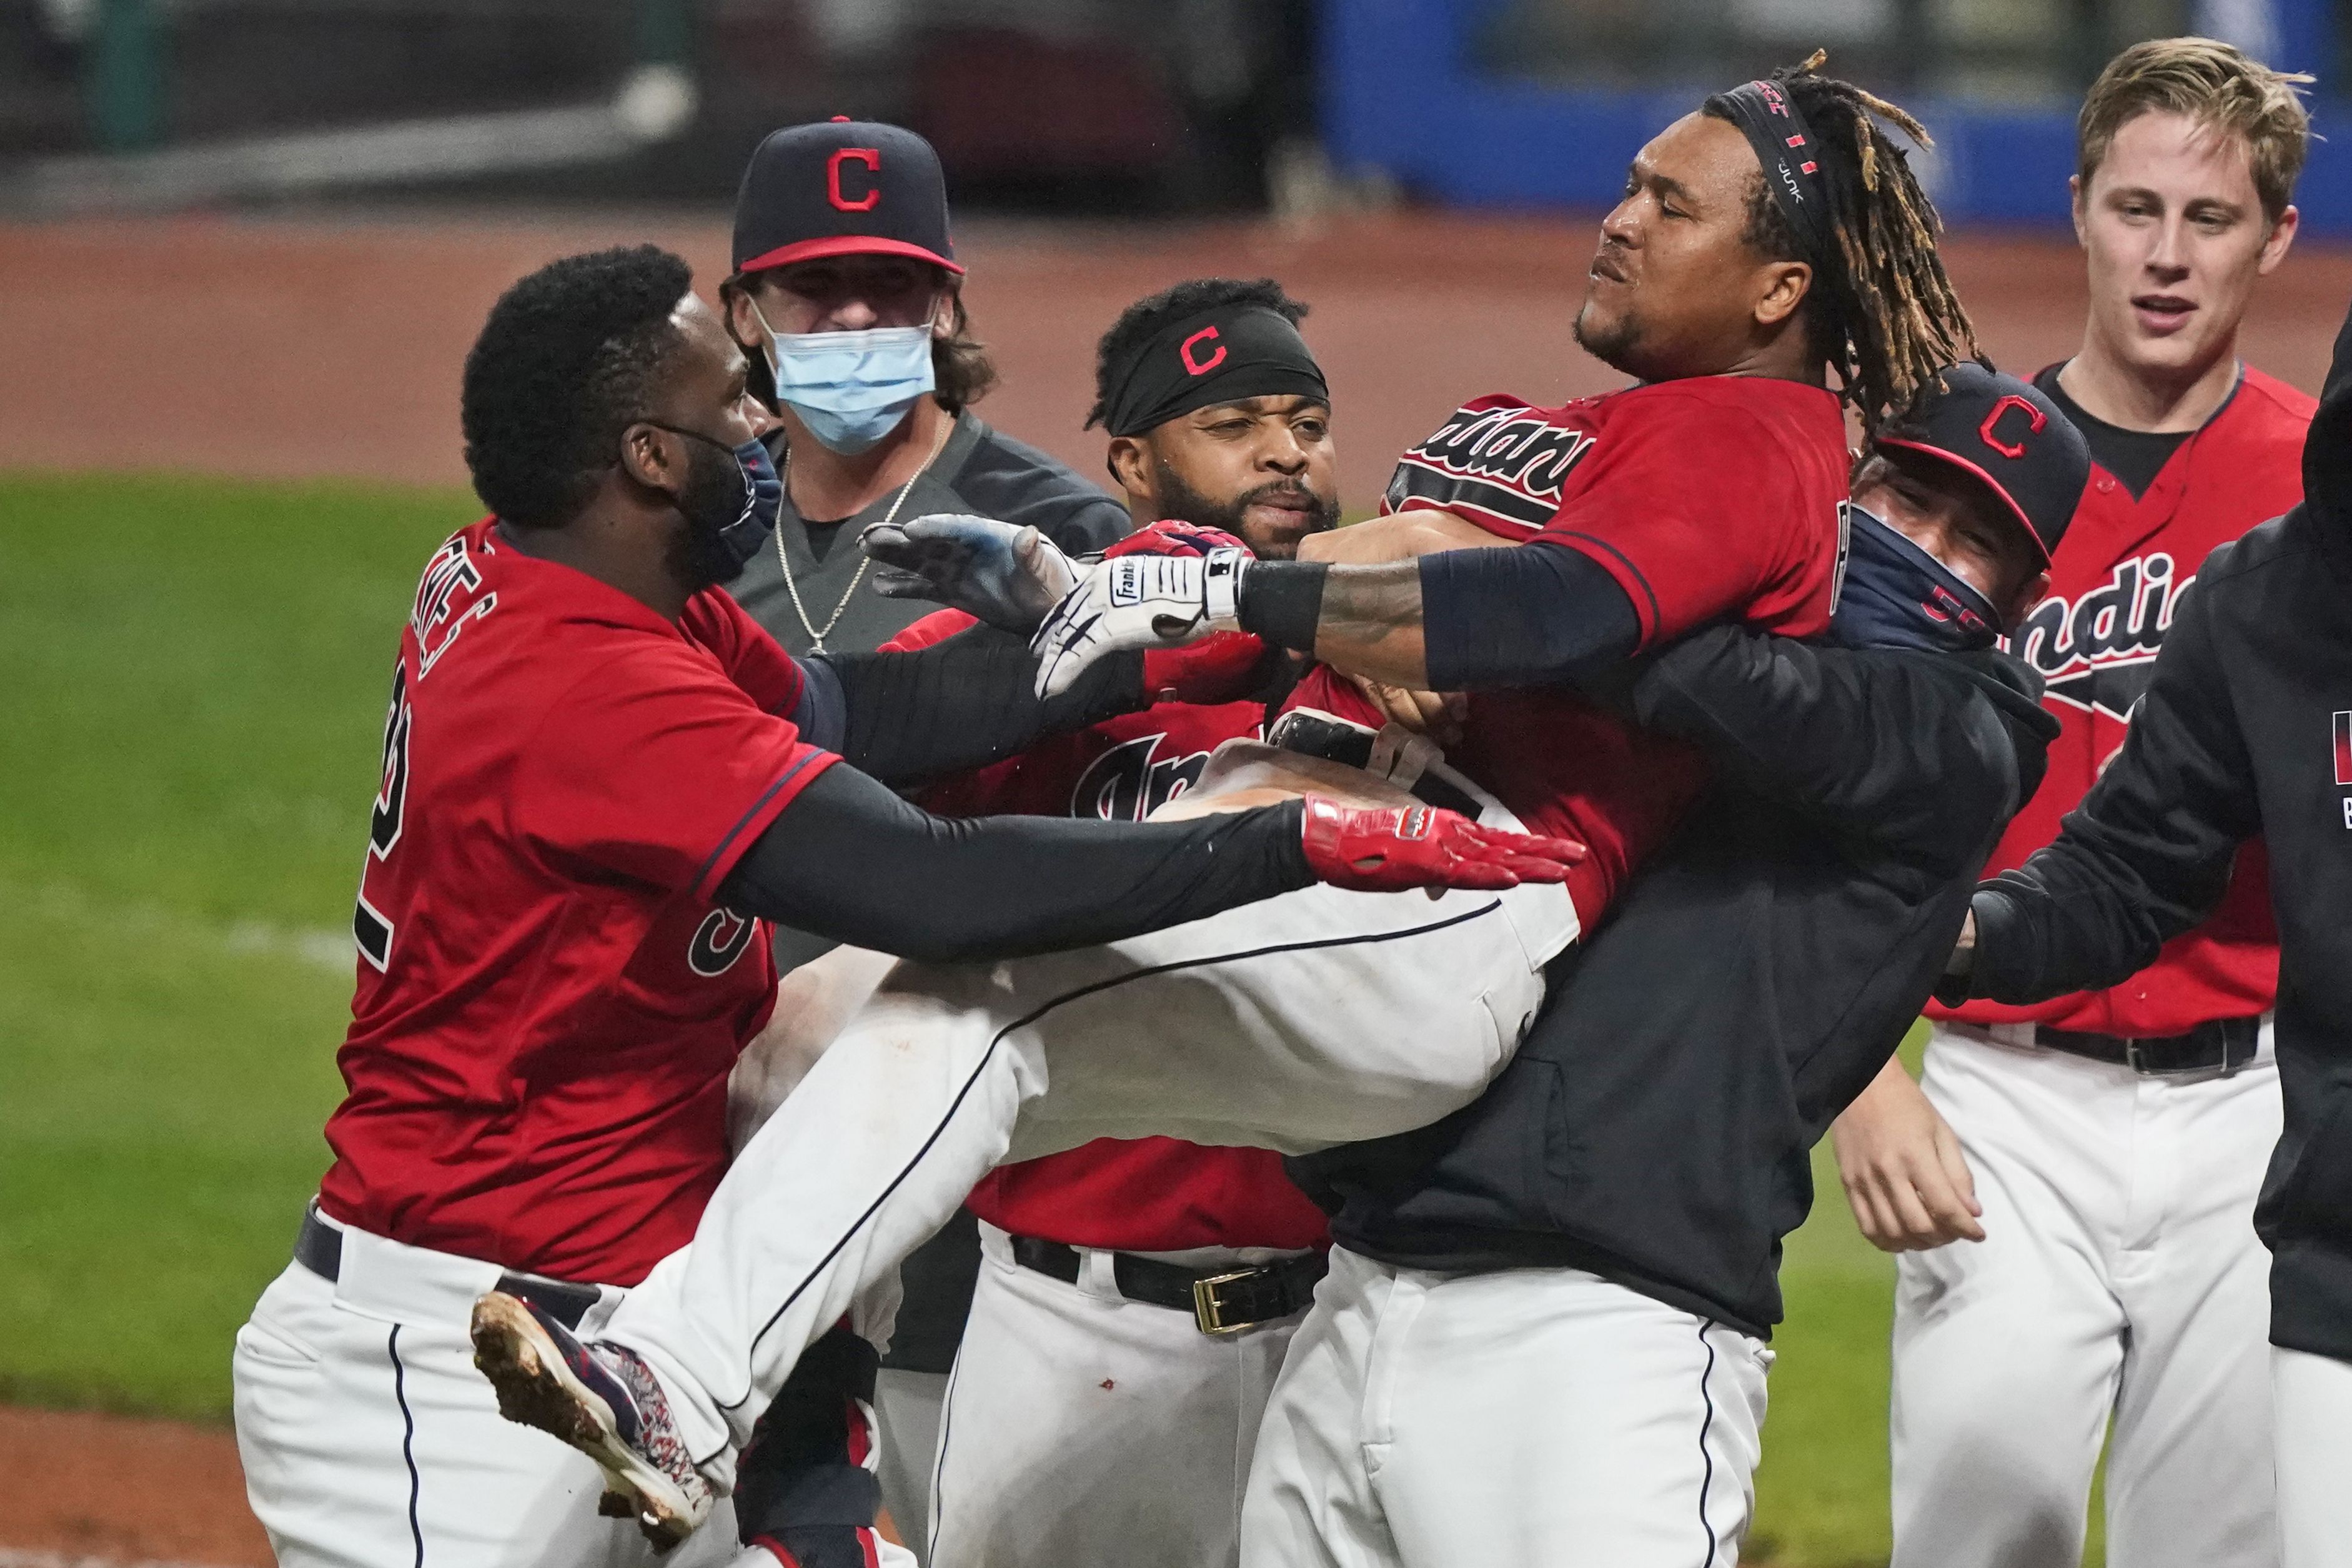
1224 667
1173 536
1423 847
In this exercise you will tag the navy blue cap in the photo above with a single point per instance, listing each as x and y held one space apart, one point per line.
841 187
2008 434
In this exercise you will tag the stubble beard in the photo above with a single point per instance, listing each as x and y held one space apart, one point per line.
1616 345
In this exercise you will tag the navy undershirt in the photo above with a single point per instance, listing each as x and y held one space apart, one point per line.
2133 457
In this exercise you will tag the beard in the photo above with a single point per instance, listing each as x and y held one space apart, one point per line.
1182 502
1614 343
713 493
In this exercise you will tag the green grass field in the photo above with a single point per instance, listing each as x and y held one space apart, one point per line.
196 682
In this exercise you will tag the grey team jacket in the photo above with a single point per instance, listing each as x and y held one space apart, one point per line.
2246 729
1655 1126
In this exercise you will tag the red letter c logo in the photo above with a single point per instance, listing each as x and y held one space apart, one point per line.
869 156
2035 418
1200 367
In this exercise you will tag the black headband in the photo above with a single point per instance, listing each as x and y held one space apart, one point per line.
1784 144
1220 355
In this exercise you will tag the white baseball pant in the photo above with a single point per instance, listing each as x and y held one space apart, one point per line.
2119 1278
1084 1427
2312 1399
1317 1017
369 1441
1535 1418
907 1409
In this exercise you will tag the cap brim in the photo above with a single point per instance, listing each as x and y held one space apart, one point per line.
2040 547
845 245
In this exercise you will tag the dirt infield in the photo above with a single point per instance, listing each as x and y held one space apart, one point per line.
104 1490
284 348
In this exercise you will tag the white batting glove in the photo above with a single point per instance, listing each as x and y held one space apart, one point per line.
1137 602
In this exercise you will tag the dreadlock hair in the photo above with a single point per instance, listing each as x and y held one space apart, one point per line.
1881 312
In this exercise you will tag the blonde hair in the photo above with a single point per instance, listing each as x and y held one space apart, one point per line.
2215 85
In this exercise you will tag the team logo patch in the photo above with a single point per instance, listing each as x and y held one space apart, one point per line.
1989 430
1200 367
1132 781
871 158
718 942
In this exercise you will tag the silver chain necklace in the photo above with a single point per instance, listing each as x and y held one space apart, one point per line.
818 635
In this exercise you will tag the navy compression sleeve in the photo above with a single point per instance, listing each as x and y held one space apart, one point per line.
961 703
1532 616
849 860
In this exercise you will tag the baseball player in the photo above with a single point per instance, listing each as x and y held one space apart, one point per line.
1212 1041
591 799
2099 1154
847 302
1544 1335
1137 1295
2242 730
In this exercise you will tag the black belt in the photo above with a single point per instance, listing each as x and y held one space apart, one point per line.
319 1247
1221 1301
1335 741
2224 1045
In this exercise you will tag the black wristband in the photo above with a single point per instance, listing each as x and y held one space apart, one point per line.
1282 601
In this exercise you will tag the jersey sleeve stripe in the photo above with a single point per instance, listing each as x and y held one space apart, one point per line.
1622 569
763 811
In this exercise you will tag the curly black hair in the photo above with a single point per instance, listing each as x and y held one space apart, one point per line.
1137 323
566 362
1882 313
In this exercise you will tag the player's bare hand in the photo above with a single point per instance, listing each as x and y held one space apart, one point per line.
1436 714
1006 575
1382 851
1137 602
1904 1174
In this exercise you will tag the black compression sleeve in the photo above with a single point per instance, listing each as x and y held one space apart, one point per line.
1281 601
1530 616
961 703
850 860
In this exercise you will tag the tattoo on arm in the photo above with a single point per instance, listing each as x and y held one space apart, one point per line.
1370 623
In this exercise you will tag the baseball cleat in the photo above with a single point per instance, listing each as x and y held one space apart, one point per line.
601 1400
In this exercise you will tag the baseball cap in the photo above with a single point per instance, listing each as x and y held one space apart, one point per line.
841 187
2008 434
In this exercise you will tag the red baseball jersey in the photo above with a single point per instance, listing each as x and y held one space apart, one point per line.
1145 1195
2114 586
1706 498
549 1000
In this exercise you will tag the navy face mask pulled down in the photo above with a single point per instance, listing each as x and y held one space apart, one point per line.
1892 594
733 518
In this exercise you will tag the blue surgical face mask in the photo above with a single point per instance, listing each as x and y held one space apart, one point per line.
1893 594
732 506
851 389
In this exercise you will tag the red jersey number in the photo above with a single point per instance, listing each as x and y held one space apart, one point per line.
369 925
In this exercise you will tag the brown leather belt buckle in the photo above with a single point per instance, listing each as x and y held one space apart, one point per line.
1209 1308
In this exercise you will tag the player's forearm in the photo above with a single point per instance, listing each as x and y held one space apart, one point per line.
850 860
1457 620
959 704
